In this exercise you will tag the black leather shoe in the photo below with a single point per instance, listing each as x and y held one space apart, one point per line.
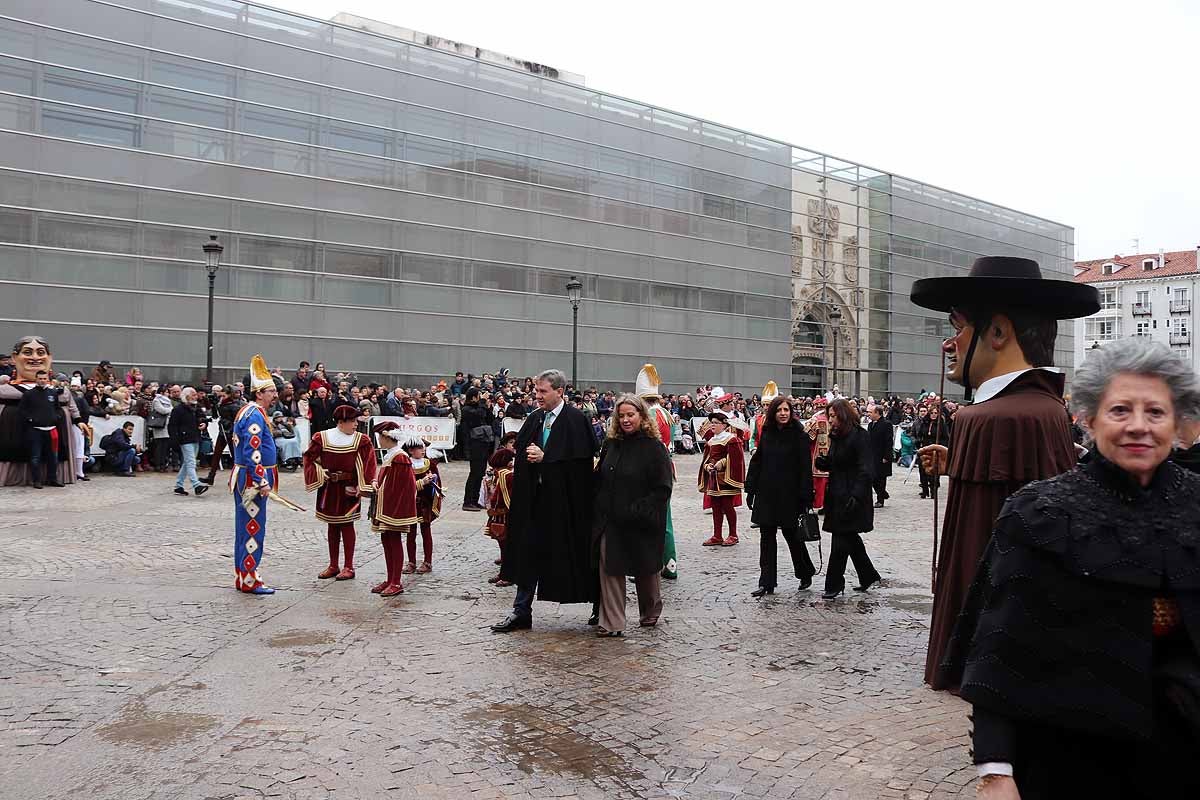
879 504
207 481
55 484
594 619
864 587
513 623
805 583
201 489
832 595
760 591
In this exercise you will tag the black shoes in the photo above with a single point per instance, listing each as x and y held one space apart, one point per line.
864 587
805 583
36 484
201 490
472 507
879 504
83 478
55 484
832 595
182 492
513 623
760 591
207 481
594 619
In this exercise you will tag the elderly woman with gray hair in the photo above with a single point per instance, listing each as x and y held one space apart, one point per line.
1079 645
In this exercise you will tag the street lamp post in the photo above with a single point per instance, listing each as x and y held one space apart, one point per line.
212 261
835 317
574 294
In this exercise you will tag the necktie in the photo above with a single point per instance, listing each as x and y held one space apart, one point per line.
546 428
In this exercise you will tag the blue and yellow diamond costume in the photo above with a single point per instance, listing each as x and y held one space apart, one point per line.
254 466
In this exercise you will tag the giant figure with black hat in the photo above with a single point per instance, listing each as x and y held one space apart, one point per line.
1005 319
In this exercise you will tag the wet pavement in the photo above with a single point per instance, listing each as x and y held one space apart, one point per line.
131 669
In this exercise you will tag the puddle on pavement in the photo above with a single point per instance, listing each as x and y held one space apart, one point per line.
156 730
518 734
350 616
300 638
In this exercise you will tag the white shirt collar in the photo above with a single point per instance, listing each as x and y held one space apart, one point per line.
994 386
557 409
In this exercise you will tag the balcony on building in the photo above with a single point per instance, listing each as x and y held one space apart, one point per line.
1142 309
1181 306
1181 337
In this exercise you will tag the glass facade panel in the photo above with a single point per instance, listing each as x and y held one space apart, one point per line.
352 172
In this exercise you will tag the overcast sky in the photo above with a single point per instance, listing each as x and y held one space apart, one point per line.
1085 113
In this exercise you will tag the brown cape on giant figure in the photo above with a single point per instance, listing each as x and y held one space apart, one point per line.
1008 438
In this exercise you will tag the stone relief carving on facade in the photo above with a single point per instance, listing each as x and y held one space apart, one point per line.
850 258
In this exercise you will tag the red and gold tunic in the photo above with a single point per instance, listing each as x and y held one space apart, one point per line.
724 451
333 462
394 508
429 497
498 504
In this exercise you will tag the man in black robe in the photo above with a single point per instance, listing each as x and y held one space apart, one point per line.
1004 316
548 549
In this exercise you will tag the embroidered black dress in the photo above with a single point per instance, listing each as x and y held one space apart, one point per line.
1078 644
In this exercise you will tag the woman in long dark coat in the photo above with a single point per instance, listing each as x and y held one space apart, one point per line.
848 511
633 491
1079 643
779 488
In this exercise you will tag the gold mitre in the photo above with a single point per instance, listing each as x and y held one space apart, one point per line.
647 382
769 392
260 376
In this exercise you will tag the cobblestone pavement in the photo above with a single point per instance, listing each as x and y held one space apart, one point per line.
130 668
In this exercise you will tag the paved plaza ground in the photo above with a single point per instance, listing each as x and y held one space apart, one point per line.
131 669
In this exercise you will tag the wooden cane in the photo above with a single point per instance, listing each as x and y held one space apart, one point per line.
937 478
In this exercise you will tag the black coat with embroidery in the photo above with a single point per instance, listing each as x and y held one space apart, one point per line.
1057 627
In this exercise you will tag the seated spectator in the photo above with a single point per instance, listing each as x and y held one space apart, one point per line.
119 450
283 428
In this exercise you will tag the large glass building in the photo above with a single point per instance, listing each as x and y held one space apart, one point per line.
402 210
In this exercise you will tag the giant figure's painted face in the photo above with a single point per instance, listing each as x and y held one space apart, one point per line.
30 355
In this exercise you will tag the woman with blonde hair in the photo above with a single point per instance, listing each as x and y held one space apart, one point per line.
633 491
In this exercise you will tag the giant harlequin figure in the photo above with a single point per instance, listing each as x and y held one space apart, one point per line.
647 387
254 476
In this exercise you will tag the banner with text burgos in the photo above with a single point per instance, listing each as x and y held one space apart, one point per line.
438 431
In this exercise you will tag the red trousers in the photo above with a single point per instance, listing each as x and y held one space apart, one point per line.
341 533
724 508
426 543
393 555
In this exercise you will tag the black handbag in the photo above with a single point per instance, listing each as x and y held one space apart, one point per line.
810 525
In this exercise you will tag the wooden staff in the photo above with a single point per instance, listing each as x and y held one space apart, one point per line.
937 479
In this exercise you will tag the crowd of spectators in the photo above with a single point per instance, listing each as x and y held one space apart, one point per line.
175 439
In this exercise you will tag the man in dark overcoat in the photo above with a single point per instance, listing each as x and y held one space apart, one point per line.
882 437
548 548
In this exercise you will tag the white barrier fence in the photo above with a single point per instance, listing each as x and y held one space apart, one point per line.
439 431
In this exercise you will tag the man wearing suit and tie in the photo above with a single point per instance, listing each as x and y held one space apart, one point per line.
548 549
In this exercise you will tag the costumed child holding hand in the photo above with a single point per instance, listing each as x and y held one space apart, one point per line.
429 504
393 506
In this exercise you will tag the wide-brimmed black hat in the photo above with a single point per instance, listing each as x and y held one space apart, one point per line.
1000 282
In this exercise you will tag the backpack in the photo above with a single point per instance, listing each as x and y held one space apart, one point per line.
106 442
